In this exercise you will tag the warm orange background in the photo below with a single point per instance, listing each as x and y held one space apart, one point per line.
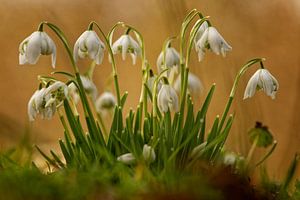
254 28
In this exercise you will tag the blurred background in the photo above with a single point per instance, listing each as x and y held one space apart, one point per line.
257 28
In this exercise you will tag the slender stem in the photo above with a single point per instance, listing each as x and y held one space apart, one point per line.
114 69
251 151
63 121
234 87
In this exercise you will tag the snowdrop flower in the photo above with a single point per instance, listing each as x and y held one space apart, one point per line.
148 153
126 158
262 79
89 87
172 59
46 100
195 86
167 99
105 103
38 43
89 44
126 44
211 39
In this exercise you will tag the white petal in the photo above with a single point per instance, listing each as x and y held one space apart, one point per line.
33 49
252 85
159 62
32 112
117 44
22 59
133 56
53 56
201 30
125 45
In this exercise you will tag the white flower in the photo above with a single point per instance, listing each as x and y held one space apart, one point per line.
38 43
195 86
106 102
262 79
46 100
126 158
89 87
172 59
148 153
89 44
126 44
167 99
211 39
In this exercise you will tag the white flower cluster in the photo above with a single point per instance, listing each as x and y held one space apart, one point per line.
46 100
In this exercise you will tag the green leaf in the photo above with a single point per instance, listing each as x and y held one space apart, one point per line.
123 99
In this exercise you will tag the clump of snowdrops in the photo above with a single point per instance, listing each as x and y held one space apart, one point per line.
164 133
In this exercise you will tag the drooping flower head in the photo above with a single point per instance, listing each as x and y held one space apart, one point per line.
89 44
167 99
46 100
211 39
195 86
105 103
172 59
38 43
262 79
126 44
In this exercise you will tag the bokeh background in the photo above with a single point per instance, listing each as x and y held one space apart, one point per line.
256 28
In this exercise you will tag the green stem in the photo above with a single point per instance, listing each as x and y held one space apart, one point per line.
251 151
114 69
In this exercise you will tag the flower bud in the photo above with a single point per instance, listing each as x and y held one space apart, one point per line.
148 154
127 158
